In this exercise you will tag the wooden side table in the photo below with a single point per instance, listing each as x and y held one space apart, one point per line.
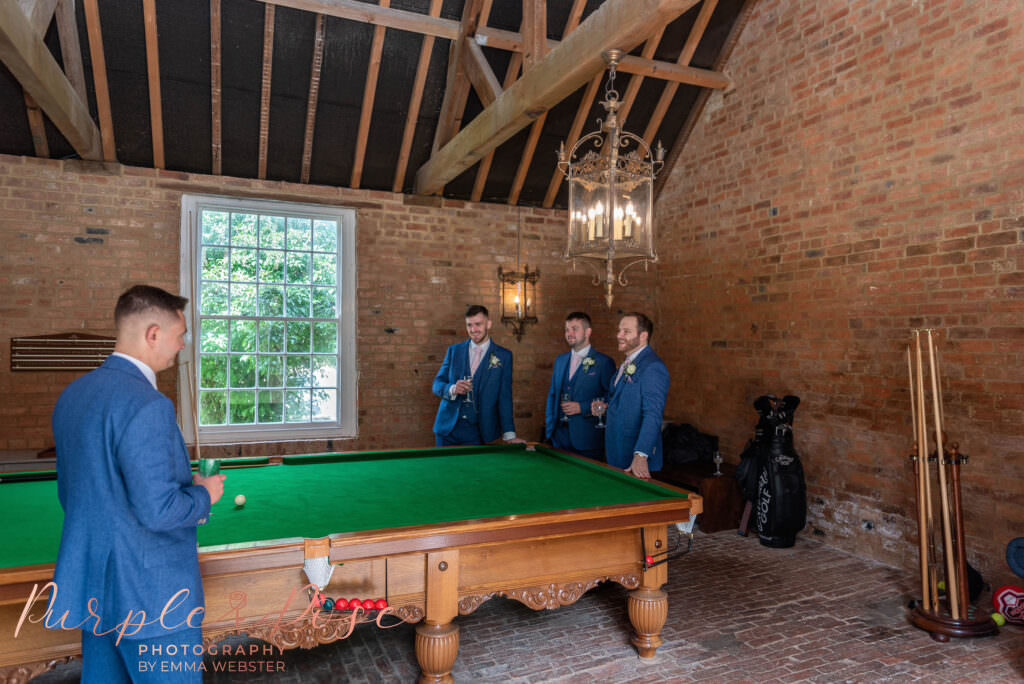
722 501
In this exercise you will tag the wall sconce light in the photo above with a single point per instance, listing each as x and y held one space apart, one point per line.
518 293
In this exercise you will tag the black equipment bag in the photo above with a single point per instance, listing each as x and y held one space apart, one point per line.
771 476
781 491
684 443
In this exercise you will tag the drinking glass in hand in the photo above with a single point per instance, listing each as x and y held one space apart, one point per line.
565 397
207 468
599 410
469 394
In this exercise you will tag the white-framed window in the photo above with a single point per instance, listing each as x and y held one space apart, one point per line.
271 352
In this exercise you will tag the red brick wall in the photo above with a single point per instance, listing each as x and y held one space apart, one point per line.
77 234
864 178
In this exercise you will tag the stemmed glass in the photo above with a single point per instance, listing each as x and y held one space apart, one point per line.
600 413
207 468
718 464
565 397
469 394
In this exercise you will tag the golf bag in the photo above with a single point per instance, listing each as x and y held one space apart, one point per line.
771 476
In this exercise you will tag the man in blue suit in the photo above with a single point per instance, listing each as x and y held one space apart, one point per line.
475 387
582 374
632 440
131 505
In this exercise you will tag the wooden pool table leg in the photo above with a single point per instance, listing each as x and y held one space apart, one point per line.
437 639
648 605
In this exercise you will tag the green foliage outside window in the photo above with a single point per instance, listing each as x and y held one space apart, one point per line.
268 329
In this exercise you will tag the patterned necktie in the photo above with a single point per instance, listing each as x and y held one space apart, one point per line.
474 359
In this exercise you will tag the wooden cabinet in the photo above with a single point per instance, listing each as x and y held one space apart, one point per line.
722 501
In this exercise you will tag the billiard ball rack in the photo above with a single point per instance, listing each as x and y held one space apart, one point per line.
666 555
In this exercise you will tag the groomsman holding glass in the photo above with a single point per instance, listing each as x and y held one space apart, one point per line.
637 403
475 387
579 376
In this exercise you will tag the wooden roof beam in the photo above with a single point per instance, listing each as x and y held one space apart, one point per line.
535 32
156 112
314 96
667 71
480 74
484 168
697 111
369 94
216 147
696 33
415 101
268 68
39 13
531 141
70 46
634 83
99 78
25 54
623 23
355 10
457 81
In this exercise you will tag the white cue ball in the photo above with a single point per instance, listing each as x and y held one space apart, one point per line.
240 500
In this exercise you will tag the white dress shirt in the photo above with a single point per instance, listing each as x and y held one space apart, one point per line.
146 370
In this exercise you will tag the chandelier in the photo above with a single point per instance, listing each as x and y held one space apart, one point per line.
611 194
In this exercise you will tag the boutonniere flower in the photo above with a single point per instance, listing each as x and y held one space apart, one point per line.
495 362
630 369
588 363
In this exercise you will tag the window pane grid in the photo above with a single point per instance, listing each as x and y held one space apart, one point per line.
269 295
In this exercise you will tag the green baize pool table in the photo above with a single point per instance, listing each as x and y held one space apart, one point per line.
436 532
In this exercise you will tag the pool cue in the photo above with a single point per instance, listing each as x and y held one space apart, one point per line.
952 581
958 515
921 521
929 588
194 370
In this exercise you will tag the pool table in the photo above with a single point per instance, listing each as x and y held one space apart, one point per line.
434 531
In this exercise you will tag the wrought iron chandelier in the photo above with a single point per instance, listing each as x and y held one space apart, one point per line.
611 193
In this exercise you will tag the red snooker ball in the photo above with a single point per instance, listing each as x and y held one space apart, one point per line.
368 604
649 560
341 604
354 603
380 604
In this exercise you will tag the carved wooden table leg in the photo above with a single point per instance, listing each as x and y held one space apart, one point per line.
436 649
648 605
648 609
437 639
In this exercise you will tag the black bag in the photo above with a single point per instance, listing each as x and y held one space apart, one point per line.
684 443
781 491
754 456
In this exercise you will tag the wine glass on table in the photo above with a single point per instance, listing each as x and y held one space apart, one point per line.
599 410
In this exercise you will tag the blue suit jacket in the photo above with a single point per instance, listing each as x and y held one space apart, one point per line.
492 391
585 386
635 413
130 508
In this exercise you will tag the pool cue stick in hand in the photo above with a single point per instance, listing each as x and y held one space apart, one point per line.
952 581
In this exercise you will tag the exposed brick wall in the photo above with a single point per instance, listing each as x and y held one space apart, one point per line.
864 178
77 234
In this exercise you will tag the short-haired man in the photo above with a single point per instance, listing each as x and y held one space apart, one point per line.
632 439
580 375
475 386
131 504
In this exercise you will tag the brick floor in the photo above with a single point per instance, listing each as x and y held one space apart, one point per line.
738 612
